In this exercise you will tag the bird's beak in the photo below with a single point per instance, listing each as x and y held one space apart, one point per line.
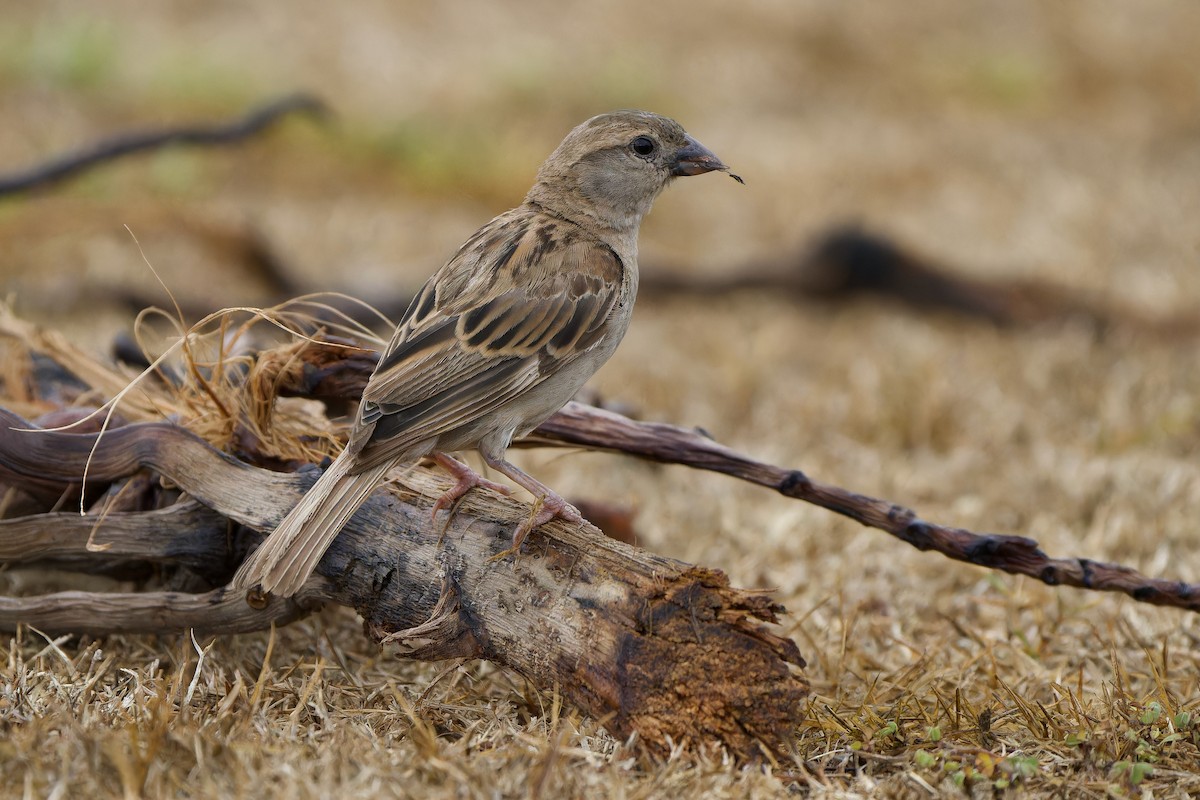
696 159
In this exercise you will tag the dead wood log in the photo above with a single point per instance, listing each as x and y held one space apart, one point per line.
649 644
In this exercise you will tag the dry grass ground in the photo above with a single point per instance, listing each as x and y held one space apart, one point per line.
1018 139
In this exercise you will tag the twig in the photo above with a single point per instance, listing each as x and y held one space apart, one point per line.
102 613
579 425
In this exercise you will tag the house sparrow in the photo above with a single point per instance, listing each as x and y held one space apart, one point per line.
501 337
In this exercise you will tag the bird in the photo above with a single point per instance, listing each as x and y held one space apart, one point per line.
499 338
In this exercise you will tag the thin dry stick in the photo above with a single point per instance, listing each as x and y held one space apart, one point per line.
586 426
579 425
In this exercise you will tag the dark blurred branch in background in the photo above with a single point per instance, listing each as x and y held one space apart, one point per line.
127 144
843 266
849 262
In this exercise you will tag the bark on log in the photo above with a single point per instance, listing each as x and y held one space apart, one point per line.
649 644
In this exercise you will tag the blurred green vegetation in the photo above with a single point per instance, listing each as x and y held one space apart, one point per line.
1009 81
87 55
491 149
79 54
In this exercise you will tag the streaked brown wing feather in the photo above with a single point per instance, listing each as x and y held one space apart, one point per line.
526 294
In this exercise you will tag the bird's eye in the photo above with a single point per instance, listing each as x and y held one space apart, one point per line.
643 146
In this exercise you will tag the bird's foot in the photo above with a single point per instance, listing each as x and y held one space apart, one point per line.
548 507
466 479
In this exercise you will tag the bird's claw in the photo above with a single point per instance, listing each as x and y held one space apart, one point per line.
545 509
467 481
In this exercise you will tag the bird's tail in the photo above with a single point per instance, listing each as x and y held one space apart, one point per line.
290 554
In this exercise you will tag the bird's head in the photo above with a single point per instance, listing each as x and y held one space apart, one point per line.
612 167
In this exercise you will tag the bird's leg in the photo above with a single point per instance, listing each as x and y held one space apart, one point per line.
466 479
550 504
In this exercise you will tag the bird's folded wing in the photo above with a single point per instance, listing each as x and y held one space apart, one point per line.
522 298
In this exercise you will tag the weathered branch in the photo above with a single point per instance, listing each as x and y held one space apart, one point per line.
185 534
578 425
127 144
101 613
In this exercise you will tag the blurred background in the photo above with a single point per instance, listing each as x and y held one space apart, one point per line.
1023 138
